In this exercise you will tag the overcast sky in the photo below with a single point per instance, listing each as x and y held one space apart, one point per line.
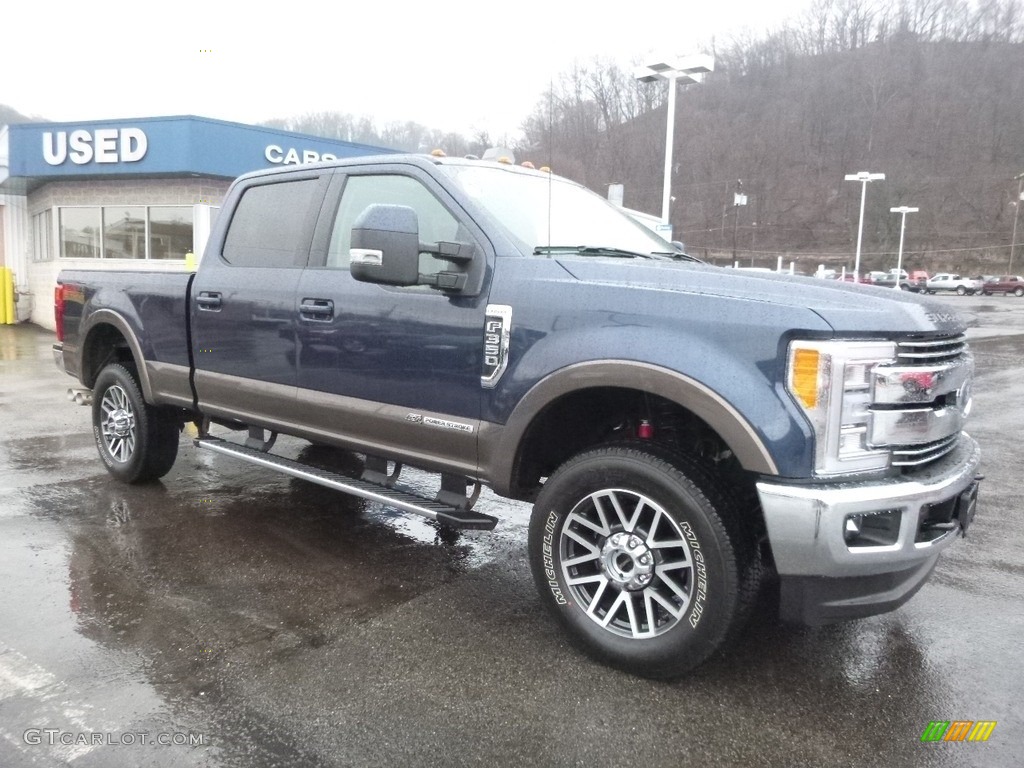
453 65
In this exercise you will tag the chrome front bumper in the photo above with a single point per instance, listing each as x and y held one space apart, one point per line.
806 522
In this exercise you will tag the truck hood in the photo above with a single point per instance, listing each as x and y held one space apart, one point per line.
846 307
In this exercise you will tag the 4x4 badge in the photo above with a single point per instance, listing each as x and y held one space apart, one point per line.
497 332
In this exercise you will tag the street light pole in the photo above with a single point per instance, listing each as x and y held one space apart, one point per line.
1016 210
864 177
903 228
666 188
675 71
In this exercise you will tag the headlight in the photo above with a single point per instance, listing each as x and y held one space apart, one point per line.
831 381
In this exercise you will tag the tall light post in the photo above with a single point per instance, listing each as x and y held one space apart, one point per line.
1016 210
864 177
675 70
903 228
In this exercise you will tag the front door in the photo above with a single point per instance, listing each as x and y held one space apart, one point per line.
394 369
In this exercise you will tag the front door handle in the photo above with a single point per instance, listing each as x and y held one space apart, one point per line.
317 309
208 300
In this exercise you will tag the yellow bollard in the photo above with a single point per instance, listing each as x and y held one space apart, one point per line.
3 295
7 288
9 296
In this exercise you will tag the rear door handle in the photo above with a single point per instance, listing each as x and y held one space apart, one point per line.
208 300
317 309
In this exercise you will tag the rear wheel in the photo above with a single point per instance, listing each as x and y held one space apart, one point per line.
960 290
1018 292
137 441
640 558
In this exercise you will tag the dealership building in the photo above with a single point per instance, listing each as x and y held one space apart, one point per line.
126 194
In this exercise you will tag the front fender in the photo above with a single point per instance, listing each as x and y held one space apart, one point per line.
500 446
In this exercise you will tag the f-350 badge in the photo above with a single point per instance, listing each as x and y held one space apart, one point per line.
497 332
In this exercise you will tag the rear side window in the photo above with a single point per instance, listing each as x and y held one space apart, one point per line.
271 226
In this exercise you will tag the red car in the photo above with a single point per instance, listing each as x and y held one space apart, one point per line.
1005 284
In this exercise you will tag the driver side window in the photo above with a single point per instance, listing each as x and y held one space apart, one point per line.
435 222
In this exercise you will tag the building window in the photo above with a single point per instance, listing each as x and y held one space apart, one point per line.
170 231
125 231
80 233
42 232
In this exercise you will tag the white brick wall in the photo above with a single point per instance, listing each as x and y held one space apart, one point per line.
42 275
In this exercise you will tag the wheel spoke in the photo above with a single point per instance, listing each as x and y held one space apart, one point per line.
601 530
597 599
666 544
652 620
676 611
627 523
602 515
573 581
671 583
619 599
591 556
675 565
582 542
634 626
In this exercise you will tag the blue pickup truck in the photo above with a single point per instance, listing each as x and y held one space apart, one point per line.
690 436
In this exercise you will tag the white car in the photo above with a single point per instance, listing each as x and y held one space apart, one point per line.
945 281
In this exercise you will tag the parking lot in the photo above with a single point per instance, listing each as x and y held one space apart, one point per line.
249 619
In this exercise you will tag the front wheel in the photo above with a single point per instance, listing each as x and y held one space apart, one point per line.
640 559
137 441
1018 292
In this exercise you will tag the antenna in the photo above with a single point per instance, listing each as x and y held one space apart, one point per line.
551 135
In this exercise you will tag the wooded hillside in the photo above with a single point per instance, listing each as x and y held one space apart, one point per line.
930 93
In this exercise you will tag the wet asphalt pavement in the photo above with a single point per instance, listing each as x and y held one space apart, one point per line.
271 622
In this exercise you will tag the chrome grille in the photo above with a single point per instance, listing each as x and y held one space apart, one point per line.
925 383
927 351
915 456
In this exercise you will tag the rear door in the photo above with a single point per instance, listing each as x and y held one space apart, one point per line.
244 314
394 369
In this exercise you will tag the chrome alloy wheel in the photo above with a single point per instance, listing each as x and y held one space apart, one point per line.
118 423
627 563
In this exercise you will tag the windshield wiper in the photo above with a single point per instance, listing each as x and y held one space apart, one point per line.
589 250
678 256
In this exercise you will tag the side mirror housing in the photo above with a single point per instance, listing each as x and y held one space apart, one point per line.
385 246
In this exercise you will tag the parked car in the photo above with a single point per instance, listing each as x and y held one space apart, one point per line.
918 280
888 280
1004 284
950 282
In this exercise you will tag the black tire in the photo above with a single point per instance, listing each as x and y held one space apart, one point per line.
1018 292
657 590
137 441
960 290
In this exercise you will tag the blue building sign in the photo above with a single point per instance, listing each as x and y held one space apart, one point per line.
164 146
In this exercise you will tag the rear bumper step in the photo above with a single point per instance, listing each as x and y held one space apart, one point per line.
396 497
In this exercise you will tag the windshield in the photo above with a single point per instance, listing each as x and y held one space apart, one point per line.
579 221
